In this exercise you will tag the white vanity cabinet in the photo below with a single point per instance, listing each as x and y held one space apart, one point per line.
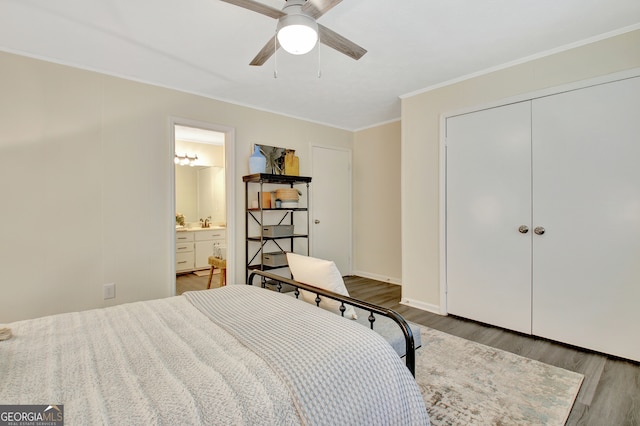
184 251
193 248
206 242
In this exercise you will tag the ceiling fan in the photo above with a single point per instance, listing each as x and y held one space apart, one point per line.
296 10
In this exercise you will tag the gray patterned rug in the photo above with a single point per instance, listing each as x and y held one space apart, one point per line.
466 383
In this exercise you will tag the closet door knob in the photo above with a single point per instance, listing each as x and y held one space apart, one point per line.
539 230
523 229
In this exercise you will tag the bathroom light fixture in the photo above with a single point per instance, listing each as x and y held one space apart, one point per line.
184 160
297 32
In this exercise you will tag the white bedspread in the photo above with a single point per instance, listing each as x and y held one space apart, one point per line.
224 358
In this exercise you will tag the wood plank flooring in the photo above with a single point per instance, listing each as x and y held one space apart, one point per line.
191 282
610 394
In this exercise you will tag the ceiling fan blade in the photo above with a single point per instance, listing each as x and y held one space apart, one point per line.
257 7
266 52
317 8
339 43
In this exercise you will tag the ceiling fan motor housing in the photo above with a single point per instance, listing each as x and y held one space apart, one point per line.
297 32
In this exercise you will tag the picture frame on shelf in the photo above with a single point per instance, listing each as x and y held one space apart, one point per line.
279 161
275 158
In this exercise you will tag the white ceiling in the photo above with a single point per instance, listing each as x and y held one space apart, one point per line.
204 46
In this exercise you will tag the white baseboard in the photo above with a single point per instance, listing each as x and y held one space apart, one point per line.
435 309
377 277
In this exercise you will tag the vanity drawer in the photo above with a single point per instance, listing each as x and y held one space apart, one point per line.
183 247
213 234
184 261
183 237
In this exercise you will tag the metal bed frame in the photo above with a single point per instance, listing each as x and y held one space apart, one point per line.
278 281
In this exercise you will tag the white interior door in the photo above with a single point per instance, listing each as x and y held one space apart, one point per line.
586 149
488 199
331 206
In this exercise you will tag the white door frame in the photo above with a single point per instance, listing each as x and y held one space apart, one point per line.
230 193
350 183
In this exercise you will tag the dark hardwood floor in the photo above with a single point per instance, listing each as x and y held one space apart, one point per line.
610 393
191 282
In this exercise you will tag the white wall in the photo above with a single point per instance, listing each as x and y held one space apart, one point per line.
86 166
376 203
421 114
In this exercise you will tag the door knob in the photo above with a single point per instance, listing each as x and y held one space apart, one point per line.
539 230
316 221
523 229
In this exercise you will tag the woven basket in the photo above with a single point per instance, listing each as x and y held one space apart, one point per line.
287 194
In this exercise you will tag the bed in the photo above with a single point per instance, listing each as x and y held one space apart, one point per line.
404 337
239 354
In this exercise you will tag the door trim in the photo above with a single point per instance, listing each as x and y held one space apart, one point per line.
230 193
442 234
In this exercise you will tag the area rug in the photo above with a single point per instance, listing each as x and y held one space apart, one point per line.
466 383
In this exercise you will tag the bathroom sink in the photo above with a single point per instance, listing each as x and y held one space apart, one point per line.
199 228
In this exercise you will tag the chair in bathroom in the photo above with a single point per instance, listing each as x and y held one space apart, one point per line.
221 264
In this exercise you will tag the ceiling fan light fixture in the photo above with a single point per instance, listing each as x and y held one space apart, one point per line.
297 33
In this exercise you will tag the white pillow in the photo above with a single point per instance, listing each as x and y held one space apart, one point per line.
323 274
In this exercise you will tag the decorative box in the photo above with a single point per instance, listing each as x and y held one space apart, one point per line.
276 258
277 230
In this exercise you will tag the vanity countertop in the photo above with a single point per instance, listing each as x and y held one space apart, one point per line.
184 229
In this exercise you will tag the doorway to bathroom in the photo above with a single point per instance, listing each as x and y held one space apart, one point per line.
203 203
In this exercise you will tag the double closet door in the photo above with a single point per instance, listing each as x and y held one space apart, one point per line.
543 217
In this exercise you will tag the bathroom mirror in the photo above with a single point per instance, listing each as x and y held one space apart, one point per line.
200 188
200 193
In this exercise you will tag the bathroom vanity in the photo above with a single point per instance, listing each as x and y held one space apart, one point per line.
195 245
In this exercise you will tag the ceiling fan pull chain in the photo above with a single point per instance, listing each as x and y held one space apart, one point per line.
319 68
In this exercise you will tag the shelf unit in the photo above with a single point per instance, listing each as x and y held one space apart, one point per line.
257 244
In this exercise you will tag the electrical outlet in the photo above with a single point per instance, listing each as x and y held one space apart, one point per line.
110 291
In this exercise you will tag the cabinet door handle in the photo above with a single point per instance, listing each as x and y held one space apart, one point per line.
523 229
184 261
539 230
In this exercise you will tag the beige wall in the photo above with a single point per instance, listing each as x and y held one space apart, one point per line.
376 203
86 174
86 170
421 138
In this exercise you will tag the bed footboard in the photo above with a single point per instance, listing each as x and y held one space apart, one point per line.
278 281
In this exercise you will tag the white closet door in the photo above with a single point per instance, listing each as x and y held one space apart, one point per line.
586 194
488 199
